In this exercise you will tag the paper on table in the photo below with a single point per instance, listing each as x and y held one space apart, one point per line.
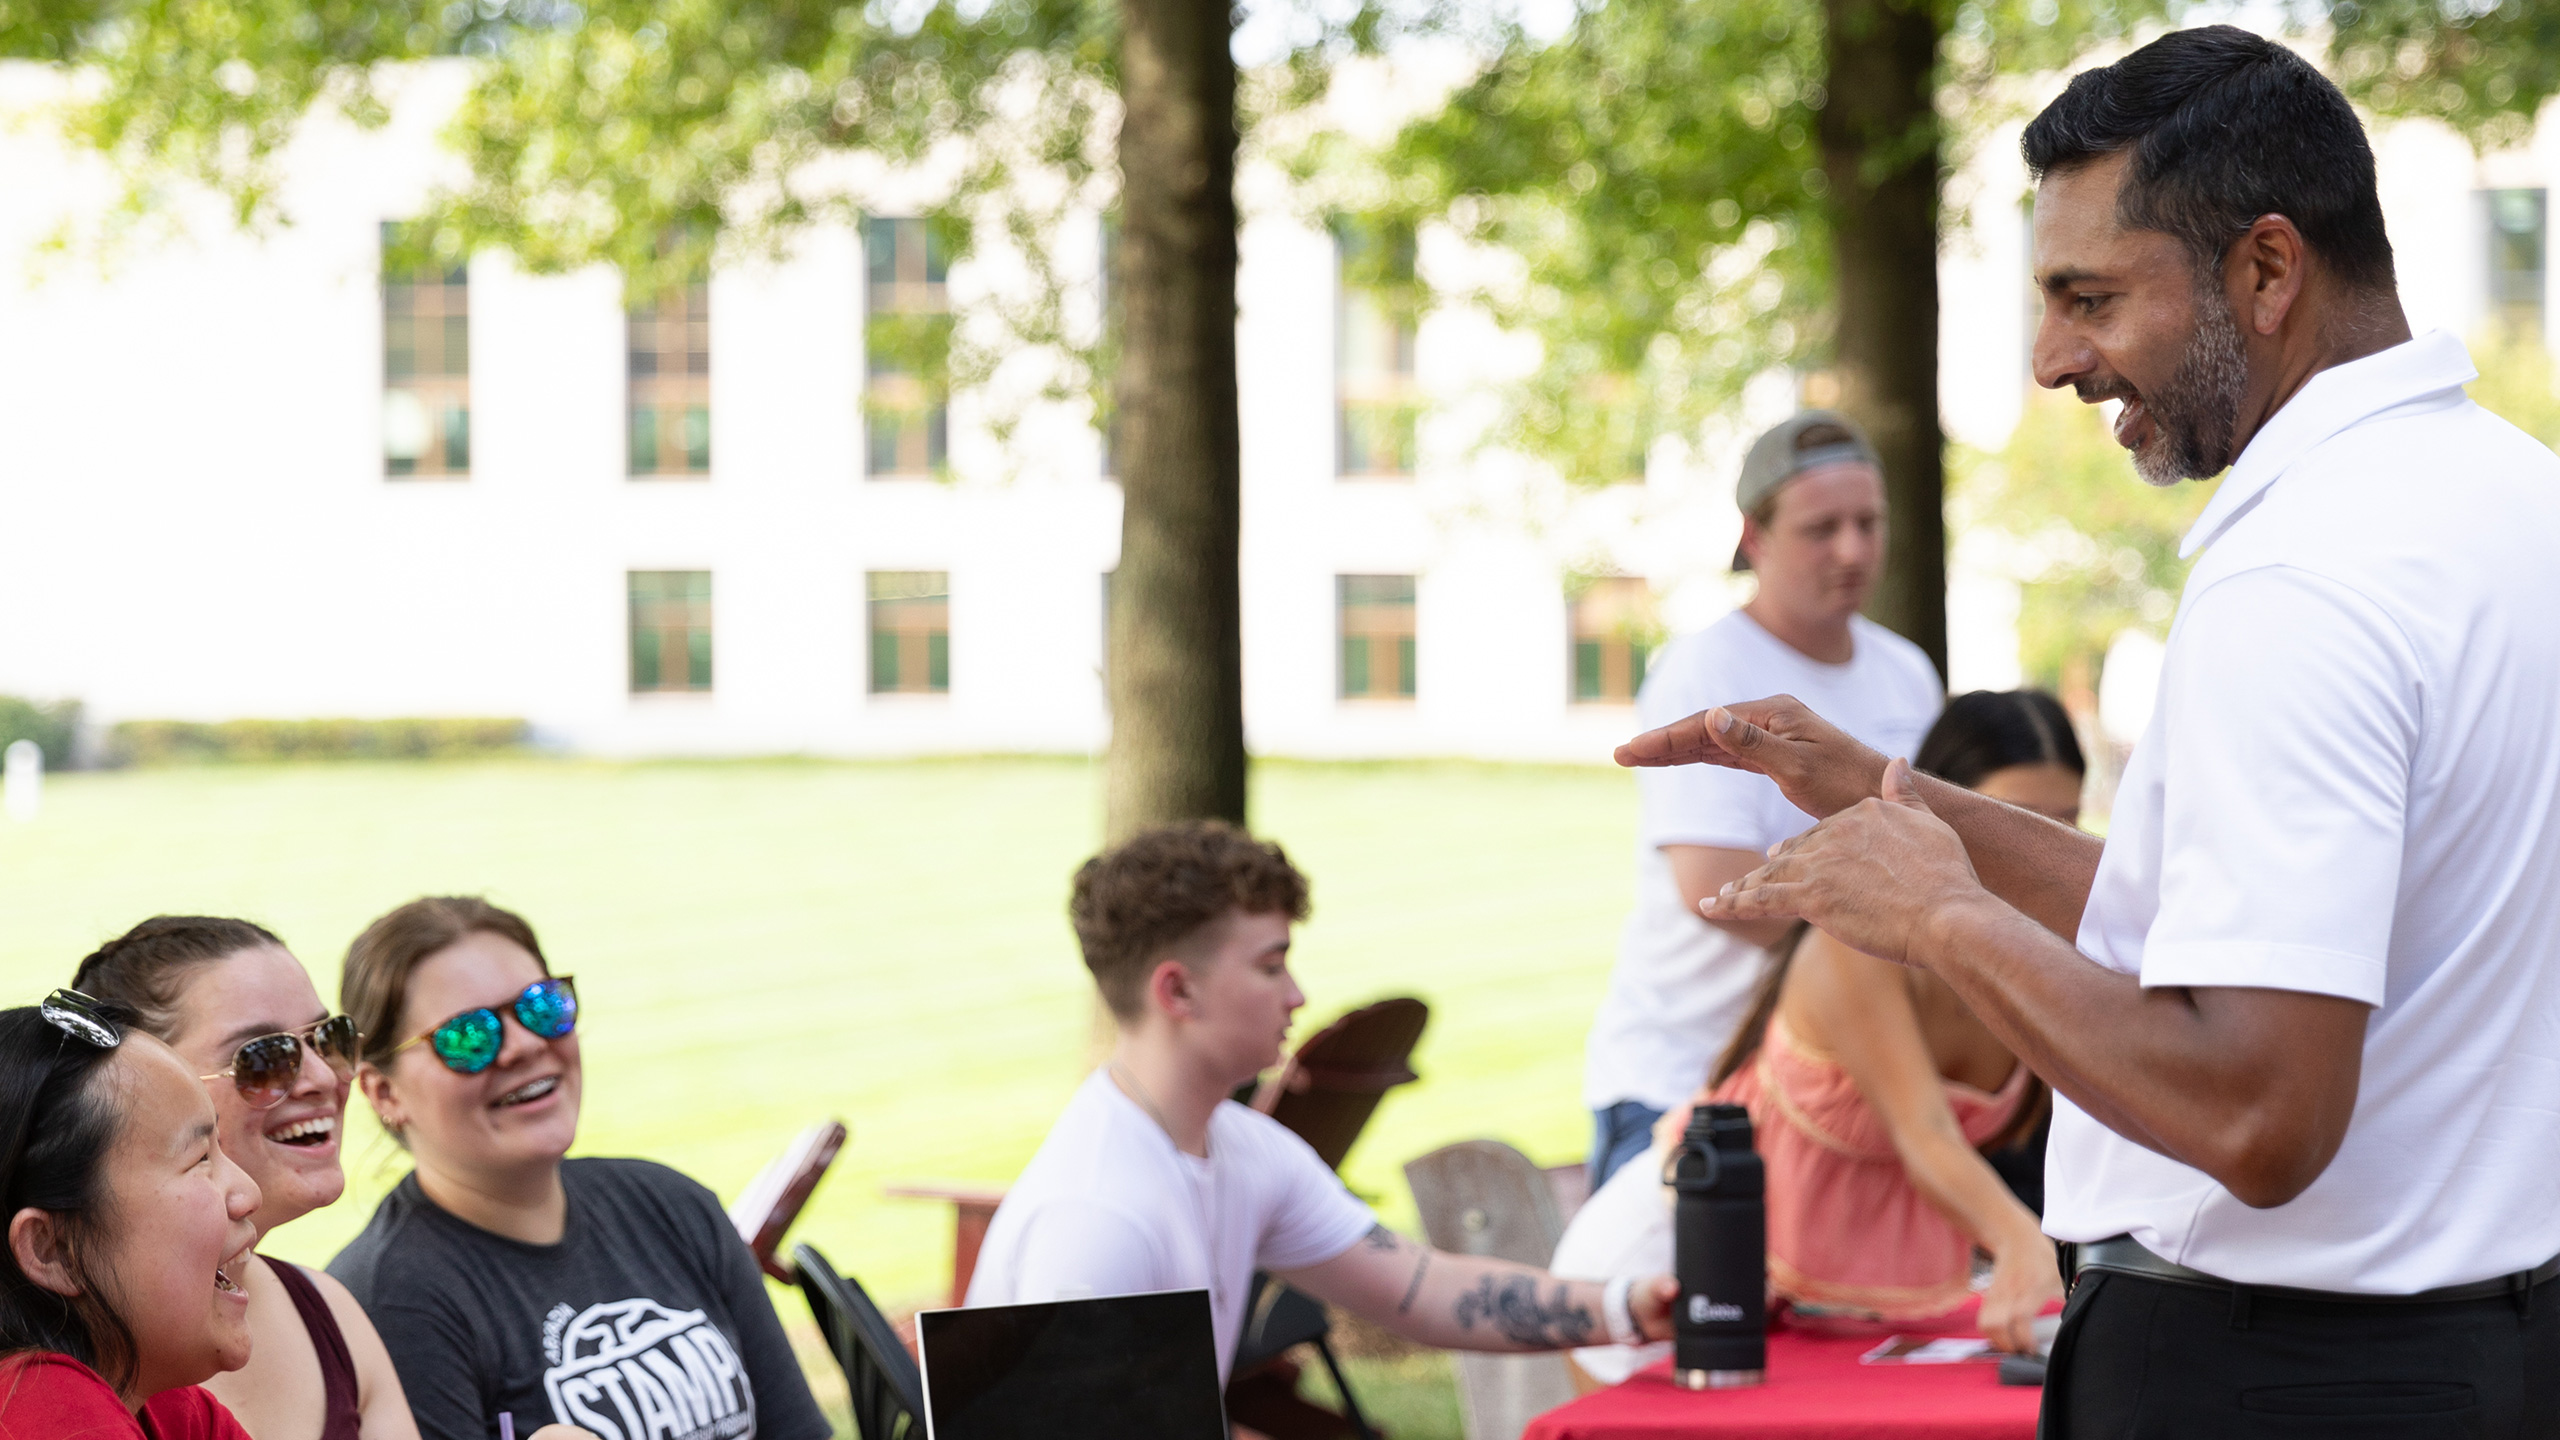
1920 1350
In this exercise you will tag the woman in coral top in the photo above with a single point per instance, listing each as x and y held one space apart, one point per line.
1874 1092
1874 1097
126 1224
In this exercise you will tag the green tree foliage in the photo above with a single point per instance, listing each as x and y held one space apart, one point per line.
1656 170
54 727
2093 548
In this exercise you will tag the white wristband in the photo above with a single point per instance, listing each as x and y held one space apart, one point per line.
1616 1309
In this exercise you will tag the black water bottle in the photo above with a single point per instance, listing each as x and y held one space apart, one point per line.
1719 1334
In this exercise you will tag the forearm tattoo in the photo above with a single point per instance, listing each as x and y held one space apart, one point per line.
1510 1304
1421 1267
1382 1238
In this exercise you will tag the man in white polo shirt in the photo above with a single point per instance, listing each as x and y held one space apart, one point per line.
1813 534
2307 1052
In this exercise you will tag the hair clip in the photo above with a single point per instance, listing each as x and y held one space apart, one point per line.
82 1018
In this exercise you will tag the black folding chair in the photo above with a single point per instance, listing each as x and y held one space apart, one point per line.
1280 1318
888 1391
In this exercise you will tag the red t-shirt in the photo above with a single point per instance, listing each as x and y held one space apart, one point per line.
46 1396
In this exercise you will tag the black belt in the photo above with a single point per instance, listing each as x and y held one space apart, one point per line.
2124 1255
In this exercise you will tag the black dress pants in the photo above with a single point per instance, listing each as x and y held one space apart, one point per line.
2145 1359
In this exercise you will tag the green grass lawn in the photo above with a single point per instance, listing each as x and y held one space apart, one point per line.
761 944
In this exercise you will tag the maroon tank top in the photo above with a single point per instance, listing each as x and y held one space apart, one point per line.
341 1417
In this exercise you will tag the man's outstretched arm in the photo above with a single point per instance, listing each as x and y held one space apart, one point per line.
2254 1087
2042 868
1469 1302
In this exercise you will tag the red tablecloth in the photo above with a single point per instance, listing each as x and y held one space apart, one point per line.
1816 1390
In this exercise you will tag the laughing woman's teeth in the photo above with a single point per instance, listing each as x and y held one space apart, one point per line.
304 1132
223 1283
530 1090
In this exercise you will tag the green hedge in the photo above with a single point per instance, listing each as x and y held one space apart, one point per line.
165 742
53 727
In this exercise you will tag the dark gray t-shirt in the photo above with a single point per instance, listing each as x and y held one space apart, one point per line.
648 1321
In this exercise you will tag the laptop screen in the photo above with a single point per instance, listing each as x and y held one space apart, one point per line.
1120 1367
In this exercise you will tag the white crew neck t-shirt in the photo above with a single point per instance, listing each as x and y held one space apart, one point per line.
1681 984
2351 787
1109 1207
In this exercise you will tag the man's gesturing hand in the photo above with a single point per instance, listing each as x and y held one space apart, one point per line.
1870 876
1816 764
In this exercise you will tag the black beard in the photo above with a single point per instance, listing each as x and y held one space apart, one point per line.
2193 415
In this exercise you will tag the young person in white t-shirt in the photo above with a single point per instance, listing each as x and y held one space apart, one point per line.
1813 533
1153 1179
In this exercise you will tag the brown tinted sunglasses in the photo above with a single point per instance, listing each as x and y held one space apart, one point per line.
265 1069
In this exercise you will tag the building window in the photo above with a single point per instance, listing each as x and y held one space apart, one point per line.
2516 230
1377 304
670 631
426 363
1377 636
910 632
670 404
1614 637
906 339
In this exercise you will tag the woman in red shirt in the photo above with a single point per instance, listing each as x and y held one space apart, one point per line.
125 1225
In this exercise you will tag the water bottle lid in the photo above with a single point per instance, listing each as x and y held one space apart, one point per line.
1721 1126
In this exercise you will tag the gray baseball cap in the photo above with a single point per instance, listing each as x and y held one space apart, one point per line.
1777 457
1780 456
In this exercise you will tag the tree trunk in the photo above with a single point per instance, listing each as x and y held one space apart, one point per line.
1176 662
1880 151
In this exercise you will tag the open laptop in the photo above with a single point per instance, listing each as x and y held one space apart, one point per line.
1120 1367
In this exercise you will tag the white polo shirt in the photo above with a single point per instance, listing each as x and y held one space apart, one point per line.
2351 786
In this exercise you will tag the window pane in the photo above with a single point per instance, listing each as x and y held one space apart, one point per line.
880 249
399 347
697 437
884 661
1377 590
644 659
1355 665
937 663
881 450
1404 666
644 440
670 630
457 438
1614 632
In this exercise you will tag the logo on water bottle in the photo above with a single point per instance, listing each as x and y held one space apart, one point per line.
1704 1311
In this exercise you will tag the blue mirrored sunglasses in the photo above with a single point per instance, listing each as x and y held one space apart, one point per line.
469 1042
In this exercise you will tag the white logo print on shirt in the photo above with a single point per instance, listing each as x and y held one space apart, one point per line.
636 1370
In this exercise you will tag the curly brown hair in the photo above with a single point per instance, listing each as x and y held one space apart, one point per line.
1149 894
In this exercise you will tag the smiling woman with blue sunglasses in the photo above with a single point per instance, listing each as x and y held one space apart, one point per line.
506 1279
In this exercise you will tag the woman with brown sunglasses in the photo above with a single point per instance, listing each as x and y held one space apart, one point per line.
241 1011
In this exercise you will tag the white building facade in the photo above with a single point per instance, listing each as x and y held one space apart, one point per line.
234 483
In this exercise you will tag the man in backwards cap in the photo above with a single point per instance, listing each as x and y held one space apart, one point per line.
1813 532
